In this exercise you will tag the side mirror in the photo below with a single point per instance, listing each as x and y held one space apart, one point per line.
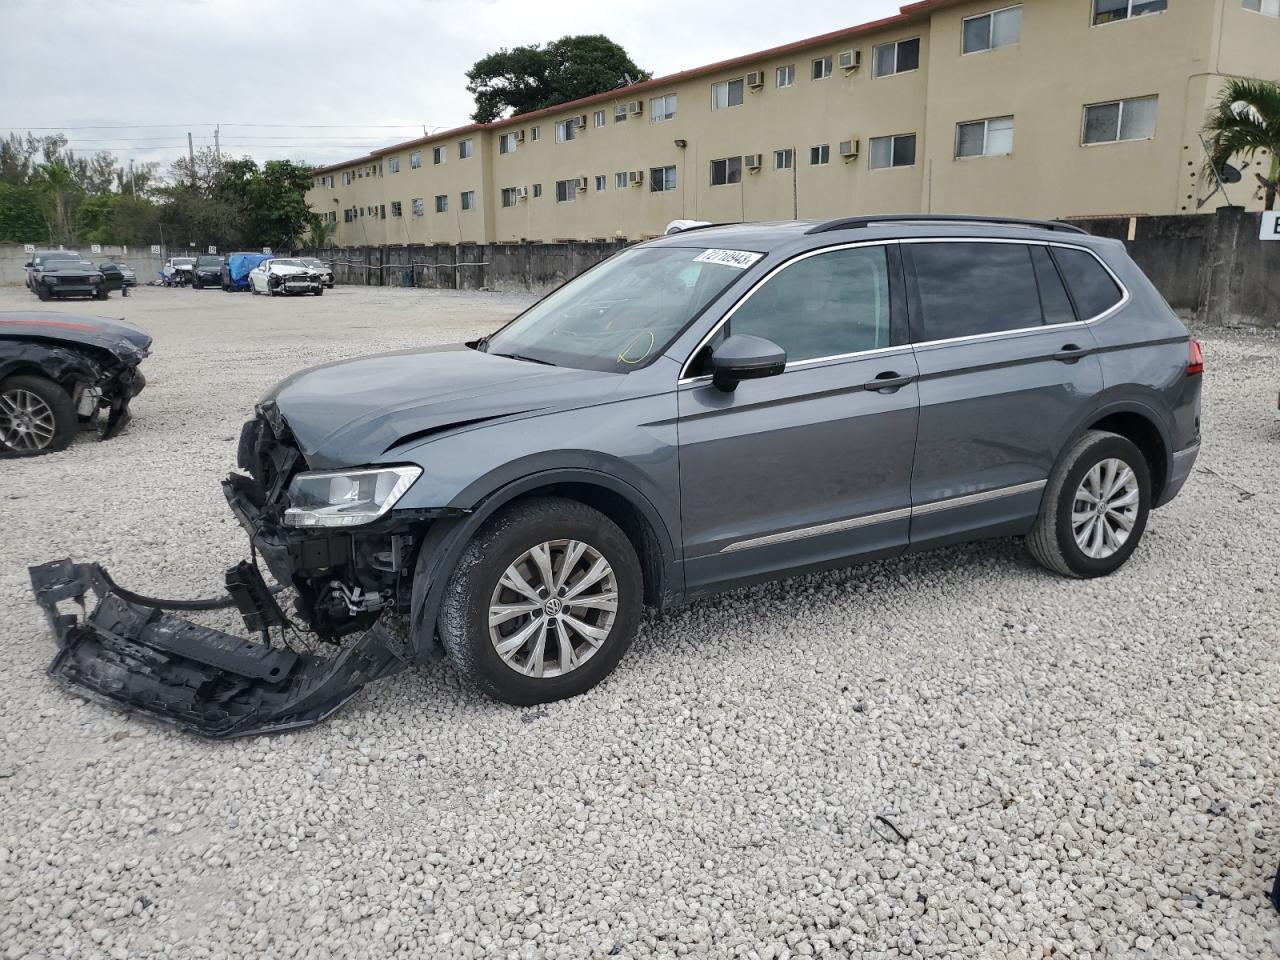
28 264
745 357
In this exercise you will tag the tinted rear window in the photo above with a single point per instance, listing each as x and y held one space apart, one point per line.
1090 285
971 288
1053 295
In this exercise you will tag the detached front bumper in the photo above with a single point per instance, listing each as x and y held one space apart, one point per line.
135 656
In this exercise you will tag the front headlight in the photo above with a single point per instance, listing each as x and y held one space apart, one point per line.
342 498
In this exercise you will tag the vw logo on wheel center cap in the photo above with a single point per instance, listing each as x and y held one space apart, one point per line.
552 607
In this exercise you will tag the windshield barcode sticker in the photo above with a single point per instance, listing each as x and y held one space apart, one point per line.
739 259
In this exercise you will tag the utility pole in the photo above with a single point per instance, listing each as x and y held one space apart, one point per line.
191 156
217 149
133 184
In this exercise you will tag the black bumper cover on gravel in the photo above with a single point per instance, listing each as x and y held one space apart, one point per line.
138 657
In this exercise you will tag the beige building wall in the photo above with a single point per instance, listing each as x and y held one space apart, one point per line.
1061 63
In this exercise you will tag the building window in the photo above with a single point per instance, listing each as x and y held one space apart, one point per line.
985 138
902 56
396 209
438 155
662 108
468 199
509 196
566 191
784 159
662 179
1120 120
599 118
821 68
895 151
820 155
382 211
1268 8
507 143
418 206
726 94
566 130
393 165
1109 11
346 178
999 28
620 113
786 76
620 179
346 216
415 160
442 203
535 133
728 170
601 182
465 148
537 190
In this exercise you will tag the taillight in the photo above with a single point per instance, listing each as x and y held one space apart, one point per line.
1195 358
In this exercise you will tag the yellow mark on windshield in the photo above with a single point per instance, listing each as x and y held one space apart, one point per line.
632 361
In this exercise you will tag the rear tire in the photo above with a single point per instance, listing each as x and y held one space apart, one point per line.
1095 507
319 291
569 647
55 418
102 295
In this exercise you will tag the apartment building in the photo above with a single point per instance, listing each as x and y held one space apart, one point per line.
1044 108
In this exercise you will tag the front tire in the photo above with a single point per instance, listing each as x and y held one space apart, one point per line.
1095 507
43 293
319 291
36 416
543 603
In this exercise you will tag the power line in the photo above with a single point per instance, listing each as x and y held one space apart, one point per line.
184 126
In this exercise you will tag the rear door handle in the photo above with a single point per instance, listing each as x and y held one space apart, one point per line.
887 382
1070 353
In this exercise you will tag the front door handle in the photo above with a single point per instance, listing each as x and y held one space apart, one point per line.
888 382
1070 353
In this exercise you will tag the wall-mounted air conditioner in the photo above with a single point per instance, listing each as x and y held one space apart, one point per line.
849 149
850 60
755 79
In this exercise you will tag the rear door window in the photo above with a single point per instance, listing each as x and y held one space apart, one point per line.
969 288
1090 285
1053 295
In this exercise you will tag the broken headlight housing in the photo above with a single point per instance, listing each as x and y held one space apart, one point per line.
343 498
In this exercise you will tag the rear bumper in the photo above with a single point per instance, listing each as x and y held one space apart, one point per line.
1179 470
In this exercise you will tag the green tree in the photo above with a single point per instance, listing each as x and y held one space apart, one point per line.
527 78
320 232
1245 122
22 214
62 196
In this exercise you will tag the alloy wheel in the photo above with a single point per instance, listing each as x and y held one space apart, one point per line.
26 421
1105 508
553 608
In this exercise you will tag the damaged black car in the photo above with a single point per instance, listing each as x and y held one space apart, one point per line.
60 372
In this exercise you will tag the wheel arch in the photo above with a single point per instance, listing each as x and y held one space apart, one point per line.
1142 425
626 506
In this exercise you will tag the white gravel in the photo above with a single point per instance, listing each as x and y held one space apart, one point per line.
1078 769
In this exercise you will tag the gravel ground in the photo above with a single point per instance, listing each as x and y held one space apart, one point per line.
956 754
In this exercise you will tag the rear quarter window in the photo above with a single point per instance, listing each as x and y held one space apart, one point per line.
1090 285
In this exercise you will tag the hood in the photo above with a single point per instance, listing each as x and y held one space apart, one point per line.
355 412
125 340
285 269
69 266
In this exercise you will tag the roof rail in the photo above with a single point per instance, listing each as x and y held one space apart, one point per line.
850 223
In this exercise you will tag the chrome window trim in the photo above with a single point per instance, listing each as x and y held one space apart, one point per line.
902 513
1125 298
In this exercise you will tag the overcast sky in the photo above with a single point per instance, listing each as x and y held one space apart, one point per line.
324 81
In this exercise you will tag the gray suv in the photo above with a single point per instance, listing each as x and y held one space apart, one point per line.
709 409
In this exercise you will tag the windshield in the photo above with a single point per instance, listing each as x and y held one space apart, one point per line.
623 313
209 261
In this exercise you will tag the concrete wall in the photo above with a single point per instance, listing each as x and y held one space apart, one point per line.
13 260
1213 268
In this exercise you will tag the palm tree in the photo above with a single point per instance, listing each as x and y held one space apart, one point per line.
320 233
1246 120
60 190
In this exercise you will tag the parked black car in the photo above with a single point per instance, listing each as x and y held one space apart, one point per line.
68 278
42 257
59 371
207 272
112 274
127 275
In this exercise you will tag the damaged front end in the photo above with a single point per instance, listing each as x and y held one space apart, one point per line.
351 582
